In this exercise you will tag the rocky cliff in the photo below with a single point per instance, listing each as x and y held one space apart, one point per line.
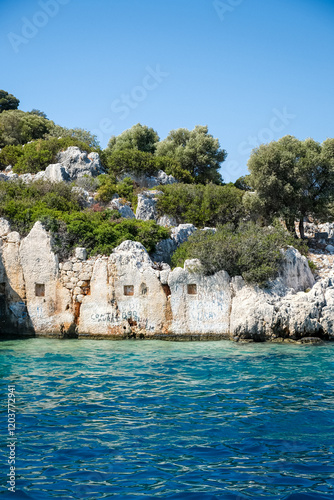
127 295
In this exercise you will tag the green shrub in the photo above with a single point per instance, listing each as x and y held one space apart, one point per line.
142 163
108 187
200 205
9 155
35 157
250 251
137 162
19 127
173 167
59 208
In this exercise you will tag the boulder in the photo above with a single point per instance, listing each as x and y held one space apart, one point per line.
80 253
165 248
123 208
147 205
78 163
56 173
4 227
167 221
295 272
85 198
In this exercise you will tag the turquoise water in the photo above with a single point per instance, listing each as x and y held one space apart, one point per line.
143 420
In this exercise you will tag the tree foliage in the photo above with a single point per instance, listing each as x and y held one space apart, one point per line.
78 134
197 151
8 101
142 163
138 138
202 205
293 178
18 127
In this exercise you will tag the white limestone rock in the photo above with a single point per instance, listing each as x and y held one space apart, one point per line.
126 295
78 163
123 208
199 304
295 272
56 173
85 198
4 227
167 221
48 302
147 203
165 248
80 254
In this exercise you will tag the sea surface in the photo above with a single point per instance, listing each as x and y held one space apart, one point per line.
153 419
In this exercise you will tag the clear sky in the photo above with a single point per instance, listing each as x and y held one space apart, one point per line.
252 70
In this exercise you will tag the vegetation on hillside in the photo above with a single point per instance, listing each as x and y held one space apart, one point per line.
202 205
62 210
293 179
289 180
248 250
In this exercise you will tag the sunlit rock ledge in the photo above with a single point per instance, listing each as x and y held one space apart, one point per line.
126 295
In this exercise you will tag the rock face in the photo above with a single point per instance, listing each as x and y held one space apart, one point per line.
284 310
166 248
78 163
54 173
124 209
146 181
199 304
147 205
295 272
72 164
120 302
48 303
126 295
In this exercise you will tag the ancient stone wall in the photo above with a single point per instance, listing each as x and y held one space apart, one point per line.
126 295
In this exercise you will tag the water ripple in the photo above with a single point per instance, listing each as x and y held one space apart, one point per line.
144 420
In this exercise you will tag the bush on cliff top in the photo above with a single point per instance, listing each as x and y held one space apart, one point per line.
251 251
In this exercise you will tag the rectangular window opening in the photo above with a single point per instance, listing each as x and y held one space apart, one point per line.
128 290
40 290
192 289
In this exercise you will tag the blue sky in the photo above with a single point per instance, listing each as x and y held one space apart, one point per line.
252 70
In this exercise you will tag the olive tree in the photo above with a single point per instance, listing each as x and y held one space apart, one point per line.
293 179
8 101
139 137
197 151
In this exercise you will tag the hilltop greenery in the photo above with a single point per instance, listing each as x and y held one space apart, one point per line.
289 180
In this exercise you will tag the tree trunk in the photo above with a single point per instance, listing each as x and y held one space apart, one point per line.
301 228
290 225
